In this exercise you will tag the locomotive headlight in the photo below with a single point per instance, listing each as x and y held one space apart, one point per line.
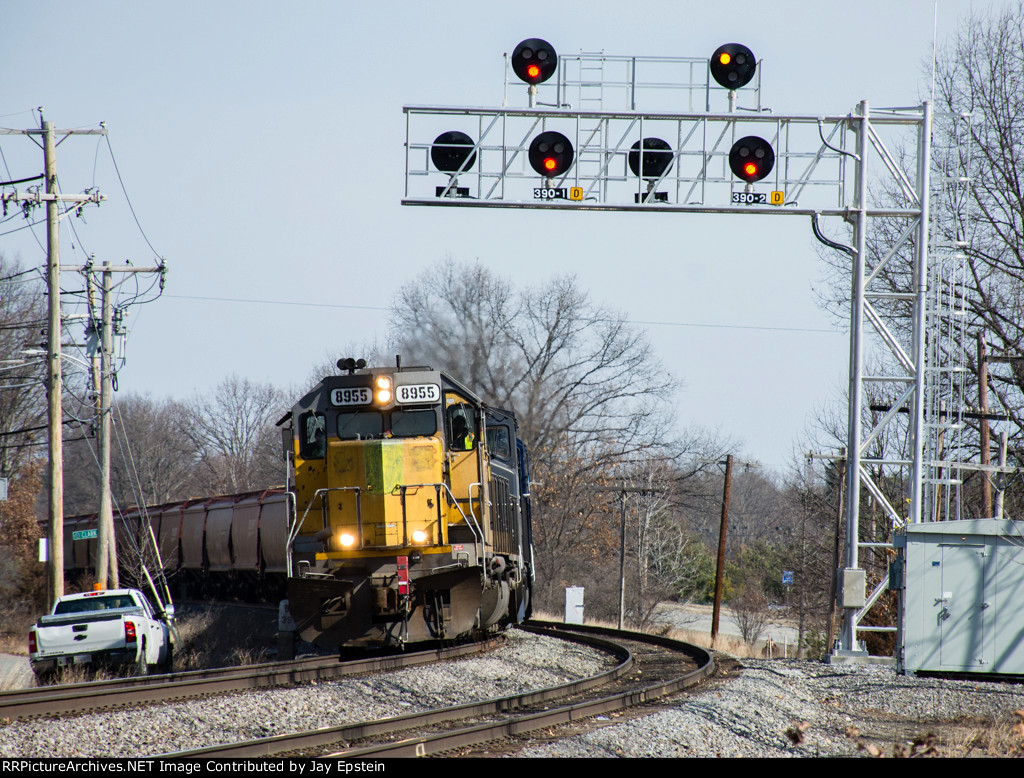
347 540
419 536
383 389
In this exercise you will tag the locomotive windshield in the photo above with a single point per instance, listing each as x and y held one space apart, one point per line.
360 425
353 426
408 424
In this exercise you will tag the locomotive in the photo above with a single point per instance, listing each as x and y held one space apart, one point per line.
412 510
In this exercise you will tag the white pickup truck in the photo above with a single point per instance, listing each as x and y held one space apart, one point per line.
104 627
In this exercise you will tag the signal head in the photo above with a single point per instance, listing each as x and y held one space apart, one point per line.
452 152
657 158
534 60
551 154
751 158
733 65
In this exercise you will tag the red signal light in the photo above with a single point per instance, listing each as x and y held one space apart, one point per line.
550 154
534 60
751 158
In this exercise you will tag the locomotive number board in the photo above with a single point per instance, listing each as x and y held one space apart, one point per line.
418 393
354 395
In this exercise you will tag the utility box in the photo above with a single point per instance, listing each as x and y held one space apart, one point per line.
964 593
574 605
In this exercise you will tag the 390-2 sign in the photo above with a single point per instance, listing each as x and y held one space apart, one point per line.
750 198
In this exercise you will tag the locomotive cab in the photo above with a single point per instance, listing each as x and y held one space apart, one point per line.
409 521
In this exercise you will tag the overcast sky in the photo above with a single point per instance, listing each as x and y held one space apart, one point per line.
261 145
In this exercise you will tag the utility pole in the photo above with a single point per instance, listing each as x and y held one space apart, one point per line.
720 567
102 372
623 490
840 511
840 461
107 573
54 380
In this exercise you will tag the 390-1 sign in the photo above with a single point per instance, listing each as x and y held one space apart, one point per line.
559 193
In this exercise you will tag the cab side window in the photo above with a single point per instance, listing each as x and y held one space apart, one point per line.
312 436
498 442
460 423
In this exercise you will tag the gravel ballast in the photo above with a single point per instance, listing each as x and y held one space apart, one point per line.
785 708
794 708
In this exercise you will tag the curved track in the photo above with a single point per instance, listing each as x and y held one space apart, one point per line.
649 667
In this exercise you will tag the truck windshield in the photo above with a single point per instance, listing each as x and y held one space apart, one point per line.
91 604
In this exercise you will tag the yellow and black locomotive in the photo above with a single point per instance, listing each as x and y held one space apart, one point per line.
412 511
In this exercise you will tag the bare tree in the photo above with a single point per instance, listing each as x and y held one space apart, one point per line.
750 613
573 371
978 153
234 434
22 393
153 459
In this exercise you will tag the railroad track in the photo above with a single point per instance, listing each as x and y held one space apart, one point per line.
97 695
648 667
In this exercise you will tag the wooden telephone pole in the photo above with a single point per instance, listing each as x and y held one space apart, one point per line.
54 380
107 574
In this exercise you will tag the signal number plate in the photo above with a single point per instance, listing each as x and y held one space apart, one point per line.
560 193
356 395
418 393
750 198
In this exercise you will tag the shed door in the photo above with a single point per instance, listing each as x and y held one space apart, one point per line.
960 609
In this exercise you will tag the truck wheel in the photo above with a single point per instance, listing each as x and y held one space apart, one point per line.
141 667
167 666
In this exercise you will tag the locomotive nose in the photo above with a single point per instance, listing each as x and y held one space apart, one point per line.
397 502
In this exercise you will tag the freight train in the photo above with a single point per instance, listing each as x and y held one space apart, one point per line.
406 517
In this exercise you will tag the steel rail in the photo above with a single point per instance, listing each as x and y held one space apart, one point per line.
79 697
603 638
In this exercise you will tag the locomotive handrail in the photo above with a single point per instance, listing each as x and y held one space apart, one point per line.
471 521
469 490
294 531
473 525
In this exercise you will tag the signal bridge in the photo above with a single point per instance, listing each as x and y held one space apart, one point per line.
481 157
741 159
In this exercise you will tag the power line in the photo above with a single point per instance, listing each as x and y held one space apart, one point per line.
127 198
379 308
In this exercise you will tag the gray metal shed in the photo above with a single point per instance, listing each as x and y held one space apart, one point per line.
964 599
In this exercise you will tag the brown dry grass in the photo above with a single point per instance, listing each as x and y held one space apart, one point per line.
14 632
727 644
